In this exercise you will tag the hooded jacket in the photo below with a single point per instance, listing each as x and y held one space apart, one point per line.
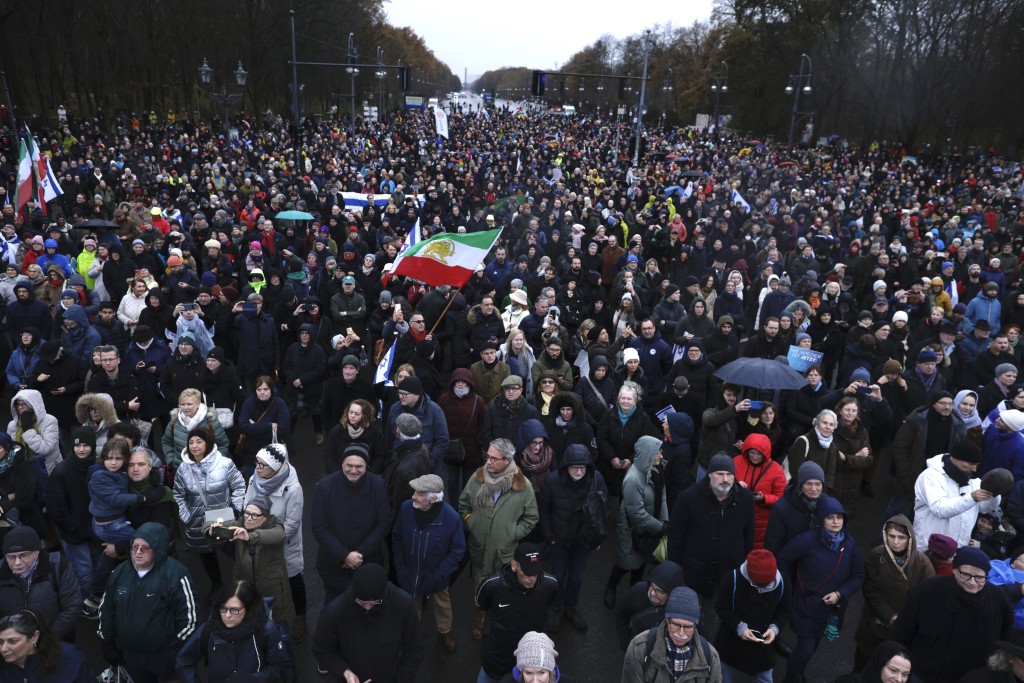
562 434
694 325
29 313
637 512
149 614
886 583
561 498
82 339
252 658
595 394
634 612
815 570
768 479
24 359
465 416
43 438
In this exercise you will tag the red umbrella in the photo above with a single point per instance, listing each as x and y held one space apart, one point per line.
788 163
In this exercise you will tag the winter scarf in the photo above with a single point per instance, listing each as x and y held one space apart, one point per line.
493 488
191 423
825 443
355 433
537 464
268 486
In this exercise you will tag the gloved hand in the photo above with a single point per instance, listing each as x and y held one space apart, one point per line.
153 494
112 653
26 420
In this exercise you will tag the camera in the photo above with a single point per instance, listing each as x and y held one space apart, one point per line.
756 405
223 532
188 306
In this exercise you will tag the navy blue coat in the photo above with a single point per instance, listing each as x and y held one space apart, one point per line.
789 518
814 570
560 499
257 344
346 518
426 558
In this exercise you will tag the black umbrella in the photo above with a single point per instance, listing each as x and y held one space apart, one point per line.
97 223
761 373
693 174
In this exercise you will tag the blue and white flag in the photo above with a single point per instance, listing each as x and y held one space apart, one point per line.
688 190
383 373
738 198
412 238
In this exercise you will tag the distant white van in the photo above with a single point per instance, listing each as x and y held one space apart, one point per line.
568 110
432 102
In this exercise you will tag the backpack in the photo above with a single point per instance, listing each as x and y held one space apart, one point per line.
38 464
594 517
652 637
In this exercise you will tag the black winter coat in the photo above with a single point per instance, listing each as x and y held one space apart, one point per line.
615 440
306 363
60 608
257 344
707 538
737 601
347 517
68 372
68 498
121 389
502 422
560 499
183 372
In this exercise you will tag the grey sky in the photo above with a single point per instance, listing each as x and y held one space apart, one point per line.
540 34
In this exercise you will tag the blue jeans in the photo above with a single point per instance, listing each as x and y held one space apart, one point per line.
83 558
483 677
568 562
113 532
801 657
730 675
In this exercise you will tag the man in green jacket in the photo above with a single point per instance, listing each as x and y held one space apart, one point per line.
499 509
149 609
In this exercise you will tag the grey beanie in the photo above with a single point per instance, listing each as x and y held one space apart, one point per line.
809 470
721 462
683 604
536 650
1004 368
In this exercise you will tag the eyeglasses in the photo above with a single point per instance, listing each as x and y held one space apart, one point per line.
136 548
491 458
261 465
512 388
972 578
252 515
685 628
368 603
417 322
233 611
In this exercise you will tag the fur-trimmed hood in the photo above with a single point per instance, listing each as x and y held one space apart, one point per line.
101 402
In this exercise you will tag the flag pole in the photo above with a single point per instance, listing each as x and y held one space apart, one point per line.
445 311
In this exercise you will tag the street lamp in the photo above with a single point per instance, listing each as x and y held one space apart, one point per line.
798 83
224 98
666 88
353 72
380 74
719 85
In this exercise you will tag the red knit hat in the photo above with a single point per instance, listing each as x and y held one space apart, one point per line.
761 566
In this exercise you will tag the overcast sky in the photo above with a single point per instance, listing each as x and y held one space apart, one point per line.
540 34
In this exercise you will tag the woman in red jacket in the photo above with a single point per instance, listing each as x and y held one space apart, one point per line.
763 477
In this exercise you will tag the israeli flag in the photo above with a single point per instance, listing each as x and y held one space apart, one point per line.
412 238
383 373
688 190
738 198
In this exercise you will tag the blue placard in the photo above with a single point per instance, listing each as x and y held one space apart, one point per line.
801 359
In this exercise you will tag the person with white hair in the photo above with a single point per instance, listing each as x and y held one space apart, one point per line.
427 545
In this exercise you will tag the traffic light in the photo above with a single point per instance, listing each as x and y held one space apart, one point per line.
539 78
403 74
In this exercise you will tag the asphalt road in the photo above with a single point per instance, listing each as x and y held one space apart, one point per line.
591 657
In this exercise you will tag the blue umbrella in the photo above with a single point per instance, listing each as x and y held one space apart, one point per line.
674 188
761 373
295 216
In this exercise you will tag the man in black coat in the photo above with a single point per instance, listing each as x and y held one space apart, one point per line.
711 529
116 381
517 599
643 605
60 379
370 632
350 516
951 623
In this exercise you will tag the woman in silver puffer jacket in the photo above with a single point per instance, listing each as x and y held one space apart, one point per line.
206 480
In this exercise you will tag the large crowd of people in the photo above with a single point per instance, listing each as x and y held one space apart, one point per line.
172 330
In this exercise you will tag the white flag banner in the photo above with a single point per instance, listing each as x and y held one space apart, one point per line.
383 373
441 122
738 198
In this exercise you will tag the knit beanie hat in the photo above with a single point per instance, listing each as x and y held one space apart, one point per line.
943 546
975 557
891 366
536 650
411 385
275 455
683 604
369 582
721 462
83 435
1012 418
1004 368
761 566
966 451
808 471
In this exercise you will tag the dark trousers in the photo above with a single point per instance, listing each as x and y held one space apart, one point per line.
152 668
568 563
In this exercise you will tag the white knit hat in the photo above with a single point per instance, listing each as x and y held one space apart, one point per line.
1012 418
275 455
536 650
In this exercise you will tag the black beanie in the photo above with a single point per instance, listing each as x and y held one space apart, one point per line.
83 435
